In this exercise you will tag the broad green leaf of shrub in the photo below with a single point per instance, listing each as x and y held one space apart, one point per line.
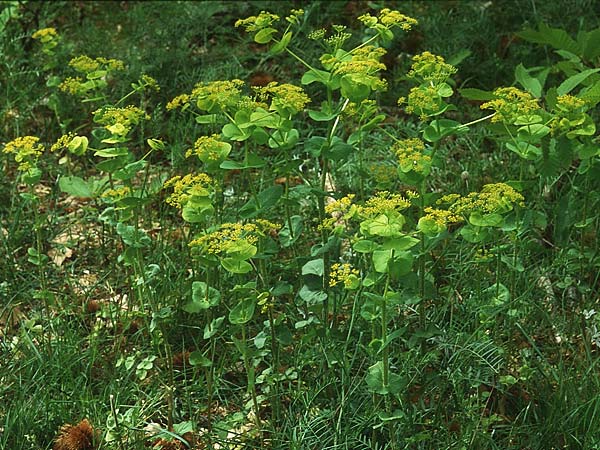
280 46
375 381
572 82
314 267
210 329
243 311
399 243
197 359
78 145
203 296
381 258
234 265
134 237
479 219
288 235
265 35
75 186
383 225
364 246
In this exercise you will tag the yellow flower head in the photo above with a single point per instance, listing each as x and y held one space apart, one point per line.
569 113
120 121
26 151
441 217
295 15
71 142
423 100
283 96
210 149
338 38
179 102
411 156
114 195
256 23
383 202
49 39
389 19
217 96
493 198
339 210
228 236
63 142
511 103
344 274
85 64
45 35
431 68
184 188
317 35
148 82
73 86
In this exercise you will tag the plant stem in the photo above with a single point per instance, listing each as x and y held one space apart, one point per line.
250 375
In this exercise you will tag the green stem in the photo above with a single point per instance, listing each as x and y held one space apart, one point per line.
276 402
251 380
385 352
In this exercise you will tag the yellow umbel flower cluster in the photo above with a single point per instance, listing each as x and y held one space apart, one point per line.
217 96
85 64
283 96
26 151
382 173
344 274
431 68
364 65
45 35
338 38
295 15
389 18
187 186
207 148
383 202
423 100
338 210
149 82
63 142
411 156
264 20
228 235
317 35
365 60
71 142
569 113
511 103
340 206
493 198
73 86
179 102
114 195
120 121
441 217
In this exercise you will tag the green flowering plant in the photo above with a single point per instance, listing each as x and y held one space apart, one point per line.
48 37
233 244
26 151
193 195
93 76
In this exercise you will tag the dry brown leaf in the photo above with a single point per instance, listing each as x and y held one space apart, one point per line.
58 255
76 437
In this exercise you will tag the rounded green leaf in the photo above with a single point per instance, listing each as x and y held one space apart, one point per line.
243 311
